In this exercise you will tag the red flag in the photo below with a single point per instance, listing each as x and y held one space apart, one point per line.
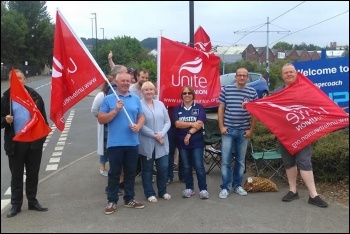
36 127
202 40
182 65
75 73
300 114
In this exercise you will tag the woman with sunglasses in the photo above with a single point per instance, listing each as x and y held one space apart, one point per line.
189 119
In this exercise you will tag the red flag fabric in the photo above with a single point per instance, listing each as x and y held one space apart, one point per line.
36 127
75 73
202 40
299 115
181 65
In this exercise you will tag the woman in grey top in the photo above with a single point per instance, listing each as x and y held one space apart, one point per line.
154 144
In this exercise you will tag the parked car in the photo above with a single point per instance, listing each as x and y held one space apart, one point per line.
256 80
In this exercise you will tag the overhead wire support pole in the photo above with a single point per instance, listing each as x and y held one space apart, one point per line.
103 33
267 54
92 28
95 32
191 13
267 63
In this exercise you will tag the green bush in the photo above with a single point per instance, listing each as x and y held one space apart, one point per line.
330 157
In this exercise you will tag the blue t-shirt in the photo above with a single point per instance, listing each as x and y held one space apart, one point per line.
119 131
192 114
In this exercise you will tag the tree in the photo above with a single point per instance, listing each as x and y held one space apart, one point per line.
126 51
309 47
283 46
151 66
39 40
149 43
346 53
13 35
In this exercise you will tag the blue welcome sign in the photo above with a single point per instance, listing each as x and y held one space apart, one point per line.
331 76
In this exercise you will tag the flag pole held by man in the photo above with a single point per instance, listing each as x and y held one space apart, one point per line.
75 72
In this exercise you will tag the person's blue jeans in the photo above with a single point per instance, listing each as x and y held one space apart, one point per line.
172 147
193 158
233 142
103 159
147 174
122 157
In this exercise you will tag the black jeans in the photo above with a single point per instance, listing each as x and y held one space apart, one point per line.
31 159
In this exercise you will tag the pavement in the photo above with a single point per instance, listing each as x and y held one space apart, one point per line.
76 200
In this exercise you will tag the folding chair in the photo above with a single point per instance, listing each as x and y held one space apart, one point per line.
212 138
268 160
214 155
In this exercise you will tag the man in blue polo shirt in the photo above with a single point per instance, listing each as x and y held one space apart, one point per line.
122 141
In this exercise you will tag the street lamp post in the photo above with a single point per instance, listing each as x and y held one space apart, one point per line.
92 28
95 31
267 55
103 33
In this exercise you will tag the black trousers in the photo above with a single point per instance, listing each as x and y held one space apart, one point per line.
30 159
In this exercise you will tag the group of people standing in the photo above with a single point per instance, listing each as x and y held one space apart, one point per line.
138 127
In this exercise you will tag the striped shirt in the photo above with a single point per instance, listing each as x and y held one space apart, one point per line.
234 115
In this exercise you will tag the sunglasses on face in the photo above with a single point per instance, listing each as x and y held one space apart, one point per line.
186 93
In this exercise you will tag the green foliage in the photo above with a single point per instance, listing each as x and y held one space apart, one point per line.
309 47
262 138
13 35
30 21
276 73
126 50
149 43
330 156
151 66
283 46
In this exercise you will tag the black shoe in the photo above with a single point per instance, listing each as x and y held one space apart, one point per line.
13 212
290 196
317 201
37 207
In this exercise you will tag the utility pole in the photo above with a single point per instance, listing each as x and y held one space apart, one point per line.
103 33
92 28
267 54
95 31
191 7
223 63
267 47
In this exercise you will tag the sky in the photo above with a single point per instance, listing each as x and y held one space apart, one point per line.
227 23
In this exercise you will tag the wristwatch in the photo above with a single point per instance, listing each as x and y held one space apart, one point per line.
189 132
